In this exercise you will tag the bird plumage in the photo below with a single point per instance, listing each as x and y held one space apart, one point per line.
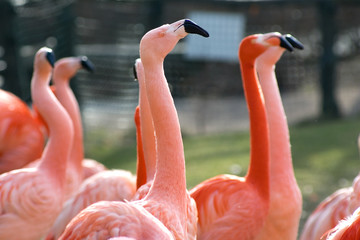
21 137
31 198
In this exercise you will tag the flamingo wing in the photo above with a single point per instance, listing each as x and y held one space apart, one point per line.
21 139
27 197
328 214
106 219
346 229
225 199
91 167
111 185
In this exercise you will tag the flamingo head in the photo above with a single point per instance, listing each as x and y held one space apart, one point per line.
44 60
254 45
66 68
139 73
273 54
160 41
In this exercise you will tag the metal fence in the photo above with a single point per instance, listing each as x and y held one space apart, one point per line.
207 87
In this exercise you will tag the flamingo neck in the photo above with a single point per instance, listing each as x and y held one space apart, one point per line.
69 102
258 172
147 130
57 149
140 163
169 181
280 150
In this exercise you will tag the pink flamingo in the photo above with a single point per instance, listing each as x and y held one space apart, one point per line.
31 198
21 137
115 185
283 219
232 207
346 229
111 185
78 168
343 208
147 133
167 197
140 161
149 164
327 214
336 207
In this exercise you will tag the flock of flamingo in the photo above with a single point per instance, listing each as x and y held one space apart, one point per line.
49 191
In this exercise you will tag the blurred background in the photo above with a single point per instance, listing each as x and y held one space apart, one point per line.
319 85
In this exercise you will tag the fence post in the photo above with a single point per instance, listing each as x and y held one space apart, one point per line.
8 44
327 14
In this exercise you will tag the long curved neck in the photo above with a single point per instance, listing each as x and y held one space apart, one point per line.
140 163
147 129
69 102
280 150
57 149
258 172
169 182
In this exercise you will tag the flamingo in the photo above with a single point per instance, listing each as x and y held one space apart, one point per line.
78 167
333 209
112 185
21 137
140 162
115 185
282 221
148 167
232 207
31 198
147 133
167 197
346 229
77 171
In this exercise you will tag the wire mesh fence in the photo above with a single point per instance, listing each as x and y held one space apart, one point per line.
207 87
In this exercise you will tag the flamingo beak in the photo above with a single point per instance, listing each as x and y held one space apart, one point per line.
50 56
294 42
191 27
135 73
285 44
87 64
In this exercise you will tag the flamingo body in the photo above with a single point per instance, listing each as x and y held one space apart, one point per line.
221 195
335 208
110 185
112 219
21 138
28 201
347 229
91 167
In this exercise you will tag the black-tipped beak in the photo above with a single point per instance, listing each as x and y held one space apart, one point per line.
87 64
50 56
285 44
294 42
191 27
134 71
